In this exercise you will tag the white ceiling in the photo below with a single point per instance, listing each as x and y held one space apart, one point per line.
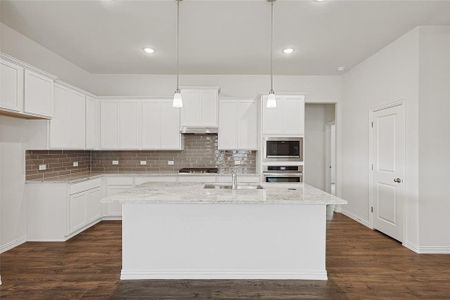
218 37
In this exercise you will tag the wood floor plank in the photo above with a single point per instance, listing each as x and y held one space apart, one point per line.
361 264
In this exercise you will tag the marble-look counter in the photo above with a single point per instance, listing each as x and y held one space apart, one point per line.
195 193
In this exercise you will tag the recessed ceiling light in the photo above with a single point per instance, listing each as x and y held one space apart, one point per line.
288 51
341 68
319 0
149 50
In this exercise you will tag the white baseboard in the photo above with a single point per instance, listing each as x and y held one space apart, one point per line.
112 218
434 249
411 246
307 275
13 244
354 217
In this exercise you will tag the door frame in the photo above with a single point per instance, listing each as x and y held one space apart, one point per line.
374 109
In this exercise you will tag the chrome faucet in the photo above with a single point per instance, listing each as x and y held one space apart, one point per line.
234 181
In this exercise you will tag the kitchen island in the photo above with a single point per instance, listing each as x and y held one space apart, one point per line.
187 231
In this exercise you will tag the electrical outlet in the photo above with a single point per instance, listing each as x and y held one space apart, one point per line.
237 162
170 162
42 167
115 162
75 164
143 162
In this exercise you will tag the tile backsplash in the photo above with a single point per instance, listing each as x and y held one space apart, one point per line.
199 151
58 163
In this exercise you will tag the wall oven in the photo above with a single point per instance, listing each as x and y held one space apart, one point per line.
283 148
280 174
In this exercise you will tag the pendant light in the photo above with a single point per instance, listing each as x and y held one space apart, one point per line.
177 99
271 99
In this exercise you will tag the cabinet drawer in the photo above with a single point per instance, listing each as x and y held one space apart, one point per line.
119 180
84 186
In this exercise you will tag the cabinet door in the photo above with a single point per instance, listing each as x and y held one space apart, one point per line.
77 208
129 124
94 206
92 123
109 125
67 126
11 82
228 125
115 209
151 125
191 113
295 109
209 106
170 126
38 94
199 107
248 123
287 118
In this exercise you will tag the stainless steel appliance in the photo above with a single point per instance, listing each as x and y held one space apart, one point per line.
283 173
283 148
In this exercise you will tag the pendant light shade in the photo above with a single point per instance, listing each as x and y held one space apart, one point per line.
271 99
177 99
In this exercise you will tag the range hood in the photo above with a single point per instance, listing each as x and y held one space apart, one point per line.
198 130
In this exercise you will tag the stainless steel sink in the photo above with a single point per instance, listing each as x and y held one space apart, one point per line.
224 186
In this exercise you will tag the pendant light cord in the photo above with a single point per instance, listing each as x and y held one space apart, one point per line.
178 44
271 45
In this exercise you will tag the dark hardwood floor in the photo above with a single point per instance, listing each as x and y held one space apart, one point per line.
362 264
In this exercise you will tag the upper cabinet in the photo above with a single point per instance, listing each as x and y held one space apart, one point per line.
160 125
11 82
38 94
92 123
140 124
200 107
119 125
288 118
238 121
68 124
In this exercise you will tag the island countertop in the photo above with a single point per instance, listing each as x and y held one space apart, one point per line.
195 193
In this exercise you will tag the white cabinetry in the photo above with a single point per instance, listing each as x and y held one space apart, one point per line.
287 119
200 107
160 125
109 126
58 211
92 123
120 124
115 185
11 83
67 126
38 94
238 121
128 116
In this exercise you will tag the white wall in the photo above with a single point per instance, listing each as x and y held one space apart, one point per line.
434 137
390 75
316 118
12 179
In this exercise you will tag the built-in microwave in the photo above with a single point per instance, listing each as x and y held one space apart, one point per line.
283 148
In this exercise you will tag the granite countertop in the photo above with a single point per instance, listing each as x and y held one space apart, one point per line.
194 193
75 178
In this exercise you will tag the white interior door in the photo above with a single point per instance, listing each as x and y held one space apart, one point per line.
388 170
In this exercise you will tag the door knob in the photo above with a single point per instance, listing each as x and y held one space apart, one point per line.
397 180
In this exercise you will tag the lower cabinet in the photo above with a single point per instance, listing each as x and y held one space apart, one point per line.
58 211
116 185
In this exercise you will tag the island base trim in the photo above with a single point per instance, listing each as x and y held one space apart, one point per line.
307 275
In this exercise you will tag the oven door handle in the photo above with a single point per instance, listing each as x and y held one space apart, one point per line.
282 174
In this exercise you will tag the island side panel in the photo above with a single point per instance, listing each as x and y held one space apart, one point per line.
223 241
